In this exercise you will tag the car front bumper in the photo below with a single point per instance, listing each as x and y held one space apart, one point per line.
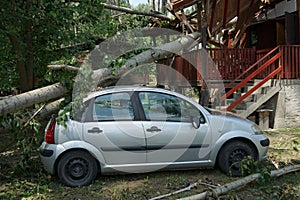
262 143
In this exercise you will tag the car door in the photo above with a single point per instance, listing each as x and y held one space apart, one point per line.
170 135
112 128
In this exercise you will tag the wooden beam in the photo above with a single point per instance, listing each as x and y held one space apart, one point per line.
212 14
181 4
199 7
225 13
238 8
244 20
298 8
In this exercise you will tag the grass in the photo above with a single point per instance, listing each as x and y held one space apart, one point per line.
21 182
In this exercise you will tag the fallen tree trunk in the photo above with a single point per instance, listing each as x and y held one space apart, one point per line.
240 183
27 99
100 77
148 56
48 110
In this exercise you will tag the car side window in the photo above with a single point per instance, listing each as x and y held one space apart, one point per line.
112 107
164 107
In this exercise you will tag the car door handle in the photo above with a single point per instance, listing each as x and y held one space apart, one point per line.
153 129
95 130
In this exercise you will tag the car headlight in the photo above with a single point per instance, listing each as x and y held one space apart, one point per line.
256 130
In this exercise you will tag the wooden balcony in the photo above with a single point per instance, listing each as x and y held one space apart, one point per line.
227 65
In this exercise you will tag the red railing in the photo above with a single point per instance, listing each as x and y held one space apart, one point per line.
231 62
233 65
290 61
264 65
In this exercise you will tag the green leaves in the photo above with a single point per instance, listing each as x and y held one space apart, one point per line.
48 30
249 166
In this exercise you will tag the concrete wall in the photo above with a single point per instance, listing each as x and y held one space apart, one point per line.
287 112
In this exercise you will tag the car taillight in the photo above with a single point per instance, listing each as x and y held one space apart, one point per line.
49 135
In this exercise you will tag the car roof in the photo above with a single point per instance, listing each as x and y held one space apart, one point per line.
116 89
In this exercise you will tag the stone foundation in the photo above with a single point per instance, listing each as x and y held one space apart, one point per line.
287 109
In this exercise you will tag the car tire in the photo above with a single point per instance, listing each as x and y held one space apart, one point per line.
77 168
231 155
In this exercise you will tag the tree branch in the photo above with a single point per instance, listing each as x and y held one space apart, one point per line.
149 56
223 189
59 67
130 11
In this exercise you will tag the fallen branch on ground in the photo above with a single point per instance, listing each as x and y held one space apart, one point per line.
176 192
240 183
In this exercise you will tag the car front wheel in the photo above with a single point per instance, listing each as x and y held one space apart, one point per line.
231 155
77 168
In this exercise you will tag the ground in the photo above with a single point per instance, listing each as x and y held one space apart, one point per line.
34 183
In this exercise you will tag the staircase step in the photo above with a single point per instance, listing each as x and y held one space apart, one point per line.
260 101
222 108
237 111
230 101
268 83
264 90
250 98
237 95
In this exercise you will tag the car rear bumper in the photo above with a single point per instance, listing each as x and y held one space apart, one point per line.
49 154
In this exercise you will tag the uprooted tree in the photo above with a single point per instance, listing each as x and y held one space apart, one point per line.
100 76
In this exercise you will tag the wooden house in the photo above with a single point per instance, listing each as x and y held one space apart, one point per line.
251 48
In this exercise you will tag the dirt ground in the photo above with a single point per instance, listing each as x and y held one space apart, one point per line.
30 181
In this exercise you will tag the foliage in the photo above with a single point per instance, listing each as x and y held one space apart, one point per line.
25 137
33 33
249 166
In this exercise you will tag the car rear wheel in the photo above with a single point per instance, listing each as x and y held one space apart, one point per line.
231 155
77 168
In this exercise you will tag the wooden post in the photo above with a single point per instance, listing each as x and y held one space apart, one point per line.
298 8
264 118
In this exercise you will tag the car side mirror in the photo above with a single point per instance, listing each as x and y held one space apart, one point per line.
196 122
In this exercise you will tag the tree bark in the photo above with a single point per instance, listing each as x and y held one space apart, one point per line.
59 67
29 52
21 101
223 189
101 77
47 111
149 56
25 58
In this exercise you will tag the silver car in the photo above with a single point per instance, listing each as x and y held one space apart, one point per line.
142 129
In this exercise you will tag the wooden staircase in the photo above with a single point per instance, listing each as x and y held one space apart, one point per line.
244 99
259 98
256 100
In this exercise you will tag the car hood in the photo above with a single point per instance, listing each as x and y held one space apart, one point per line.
226 121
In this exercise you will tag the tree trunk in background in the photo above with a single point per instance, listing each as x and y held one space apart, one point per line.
24 54
163 6
151 4
157 5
